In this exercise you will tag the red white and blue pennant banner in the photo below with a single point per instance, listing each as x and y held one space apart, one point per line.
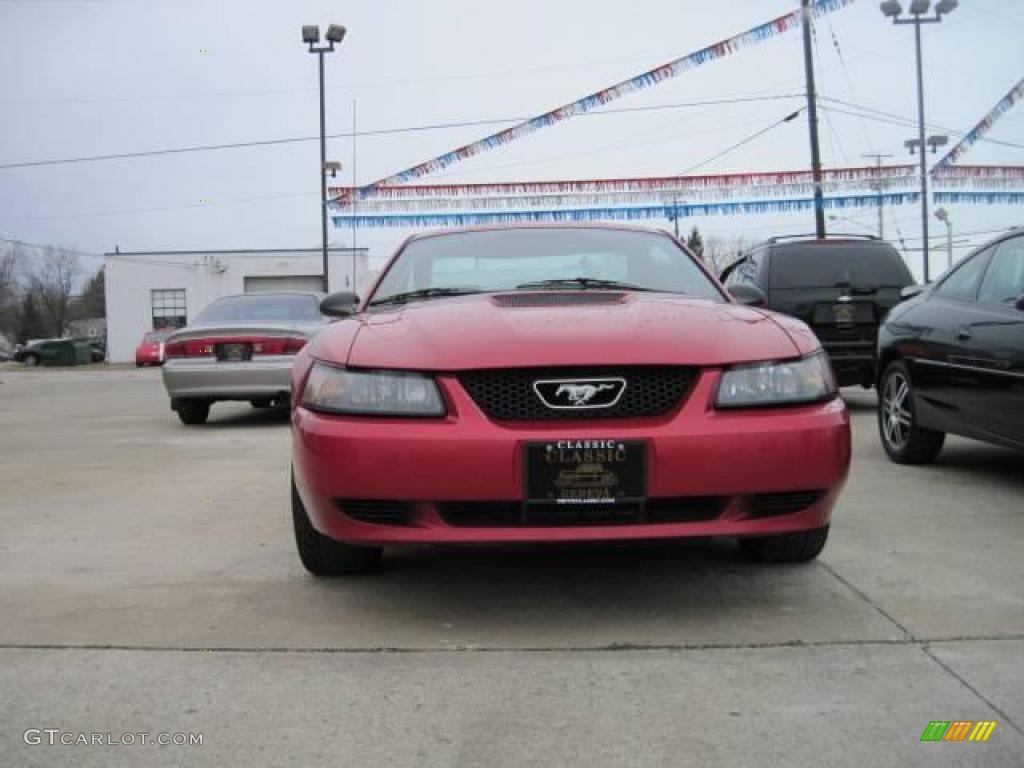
852 177
608 199
978 198
619 213
977 132
600 98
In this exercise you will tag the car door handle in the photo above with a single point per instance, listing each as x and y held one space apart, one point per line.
964 334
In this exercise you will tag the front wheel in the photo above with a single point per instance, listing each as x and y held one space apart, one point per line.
324 556
796 547
192 412
32 360
904 440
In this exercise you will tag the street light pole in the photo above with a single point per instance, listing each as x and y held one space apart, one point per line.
918 8
920 137
311 36
323 173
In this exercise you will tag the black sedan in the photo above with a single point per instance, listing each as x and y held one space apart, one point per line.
952 357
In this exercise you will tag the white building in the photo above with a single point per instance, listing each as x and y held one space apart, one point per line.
167 289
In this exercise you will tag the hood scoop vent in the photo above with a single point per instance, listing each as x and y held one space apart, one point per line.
558 299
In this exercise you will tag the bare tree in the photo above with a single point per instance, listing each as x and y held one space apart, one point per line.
720 252
52 282
9 286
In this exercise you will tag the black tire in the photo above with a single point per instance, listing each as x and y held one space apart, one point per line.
262 402
192 412
324 556
796 547
32 360
904 440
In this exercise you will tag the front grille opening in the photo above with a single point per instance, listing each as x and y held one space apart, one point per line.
481 514
558 299
784 503
376 511
507 394
513 514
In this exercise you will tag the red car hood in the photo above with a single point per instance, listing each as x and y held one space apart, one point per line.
476 332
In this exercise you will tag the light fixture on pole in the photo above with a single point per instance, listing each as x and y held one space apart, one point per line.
918 8
943 215
311 36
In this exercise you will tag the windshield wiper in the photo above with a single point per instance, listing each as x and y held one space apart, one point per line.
583 282
422 293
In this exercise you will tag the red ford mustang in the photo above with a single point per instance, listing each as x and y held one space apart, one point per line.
559 383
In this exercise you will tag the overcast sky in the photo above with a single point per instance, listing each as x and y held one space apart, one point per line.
81 78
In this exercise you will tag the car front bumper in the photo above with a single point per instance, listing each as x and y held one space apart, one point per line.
693 454
211 379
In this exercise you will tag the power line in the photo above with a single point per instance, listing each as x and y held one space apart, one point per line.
244 201
895 119
788 118
340 87
378 132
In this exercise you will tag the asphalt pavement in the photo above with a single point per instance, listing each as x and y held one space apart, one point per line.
149 584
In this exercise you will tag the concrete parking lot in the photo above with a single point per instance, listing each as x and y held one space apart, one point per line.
148 583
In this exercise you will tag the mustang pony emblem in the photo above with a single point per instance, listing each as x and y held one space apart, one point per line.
581 394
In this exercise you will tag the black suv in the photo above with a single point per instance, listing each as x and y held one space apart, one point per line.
841 286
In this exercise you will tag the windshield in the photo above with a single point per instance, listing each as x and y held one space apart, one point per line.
507 260
824 266
261 308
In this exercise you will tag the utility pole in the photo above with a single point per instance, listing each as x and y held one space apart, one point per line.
812 120
877 186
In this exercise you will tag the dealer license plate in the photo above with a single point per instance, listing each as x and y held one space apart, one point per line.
588 471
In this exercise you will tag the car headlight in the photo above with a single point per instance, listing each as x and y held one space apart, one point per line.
787 382
371 393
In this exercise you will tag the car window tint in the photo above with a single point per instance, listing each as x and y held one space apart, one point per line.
500 260
812 265
259 308
962 283
1004 280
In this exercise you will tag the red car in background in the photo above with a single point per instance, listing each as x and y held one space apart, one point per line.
560 383
151 349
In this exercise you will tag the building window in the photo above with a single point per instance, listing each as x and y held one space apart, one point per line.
169 309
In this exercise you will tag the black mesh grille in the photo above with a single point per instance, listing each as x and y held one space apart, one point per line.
508 394
376 511
512 514
549 299
784 503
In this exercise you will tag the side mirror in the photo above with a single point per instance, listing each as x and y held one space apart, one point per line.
749 295
340 304
910 291
1020 302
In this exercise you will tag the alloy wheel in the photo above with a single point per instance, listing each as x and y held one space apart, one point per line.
896 416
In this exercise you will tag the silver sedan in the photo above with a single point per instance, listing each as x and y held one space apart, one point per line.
239 348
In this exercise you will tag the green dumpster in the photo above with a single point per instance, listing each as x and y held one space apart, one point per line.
58 352
83 351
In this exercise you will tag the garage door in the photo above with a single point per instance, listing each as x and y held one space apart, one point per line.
265 283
